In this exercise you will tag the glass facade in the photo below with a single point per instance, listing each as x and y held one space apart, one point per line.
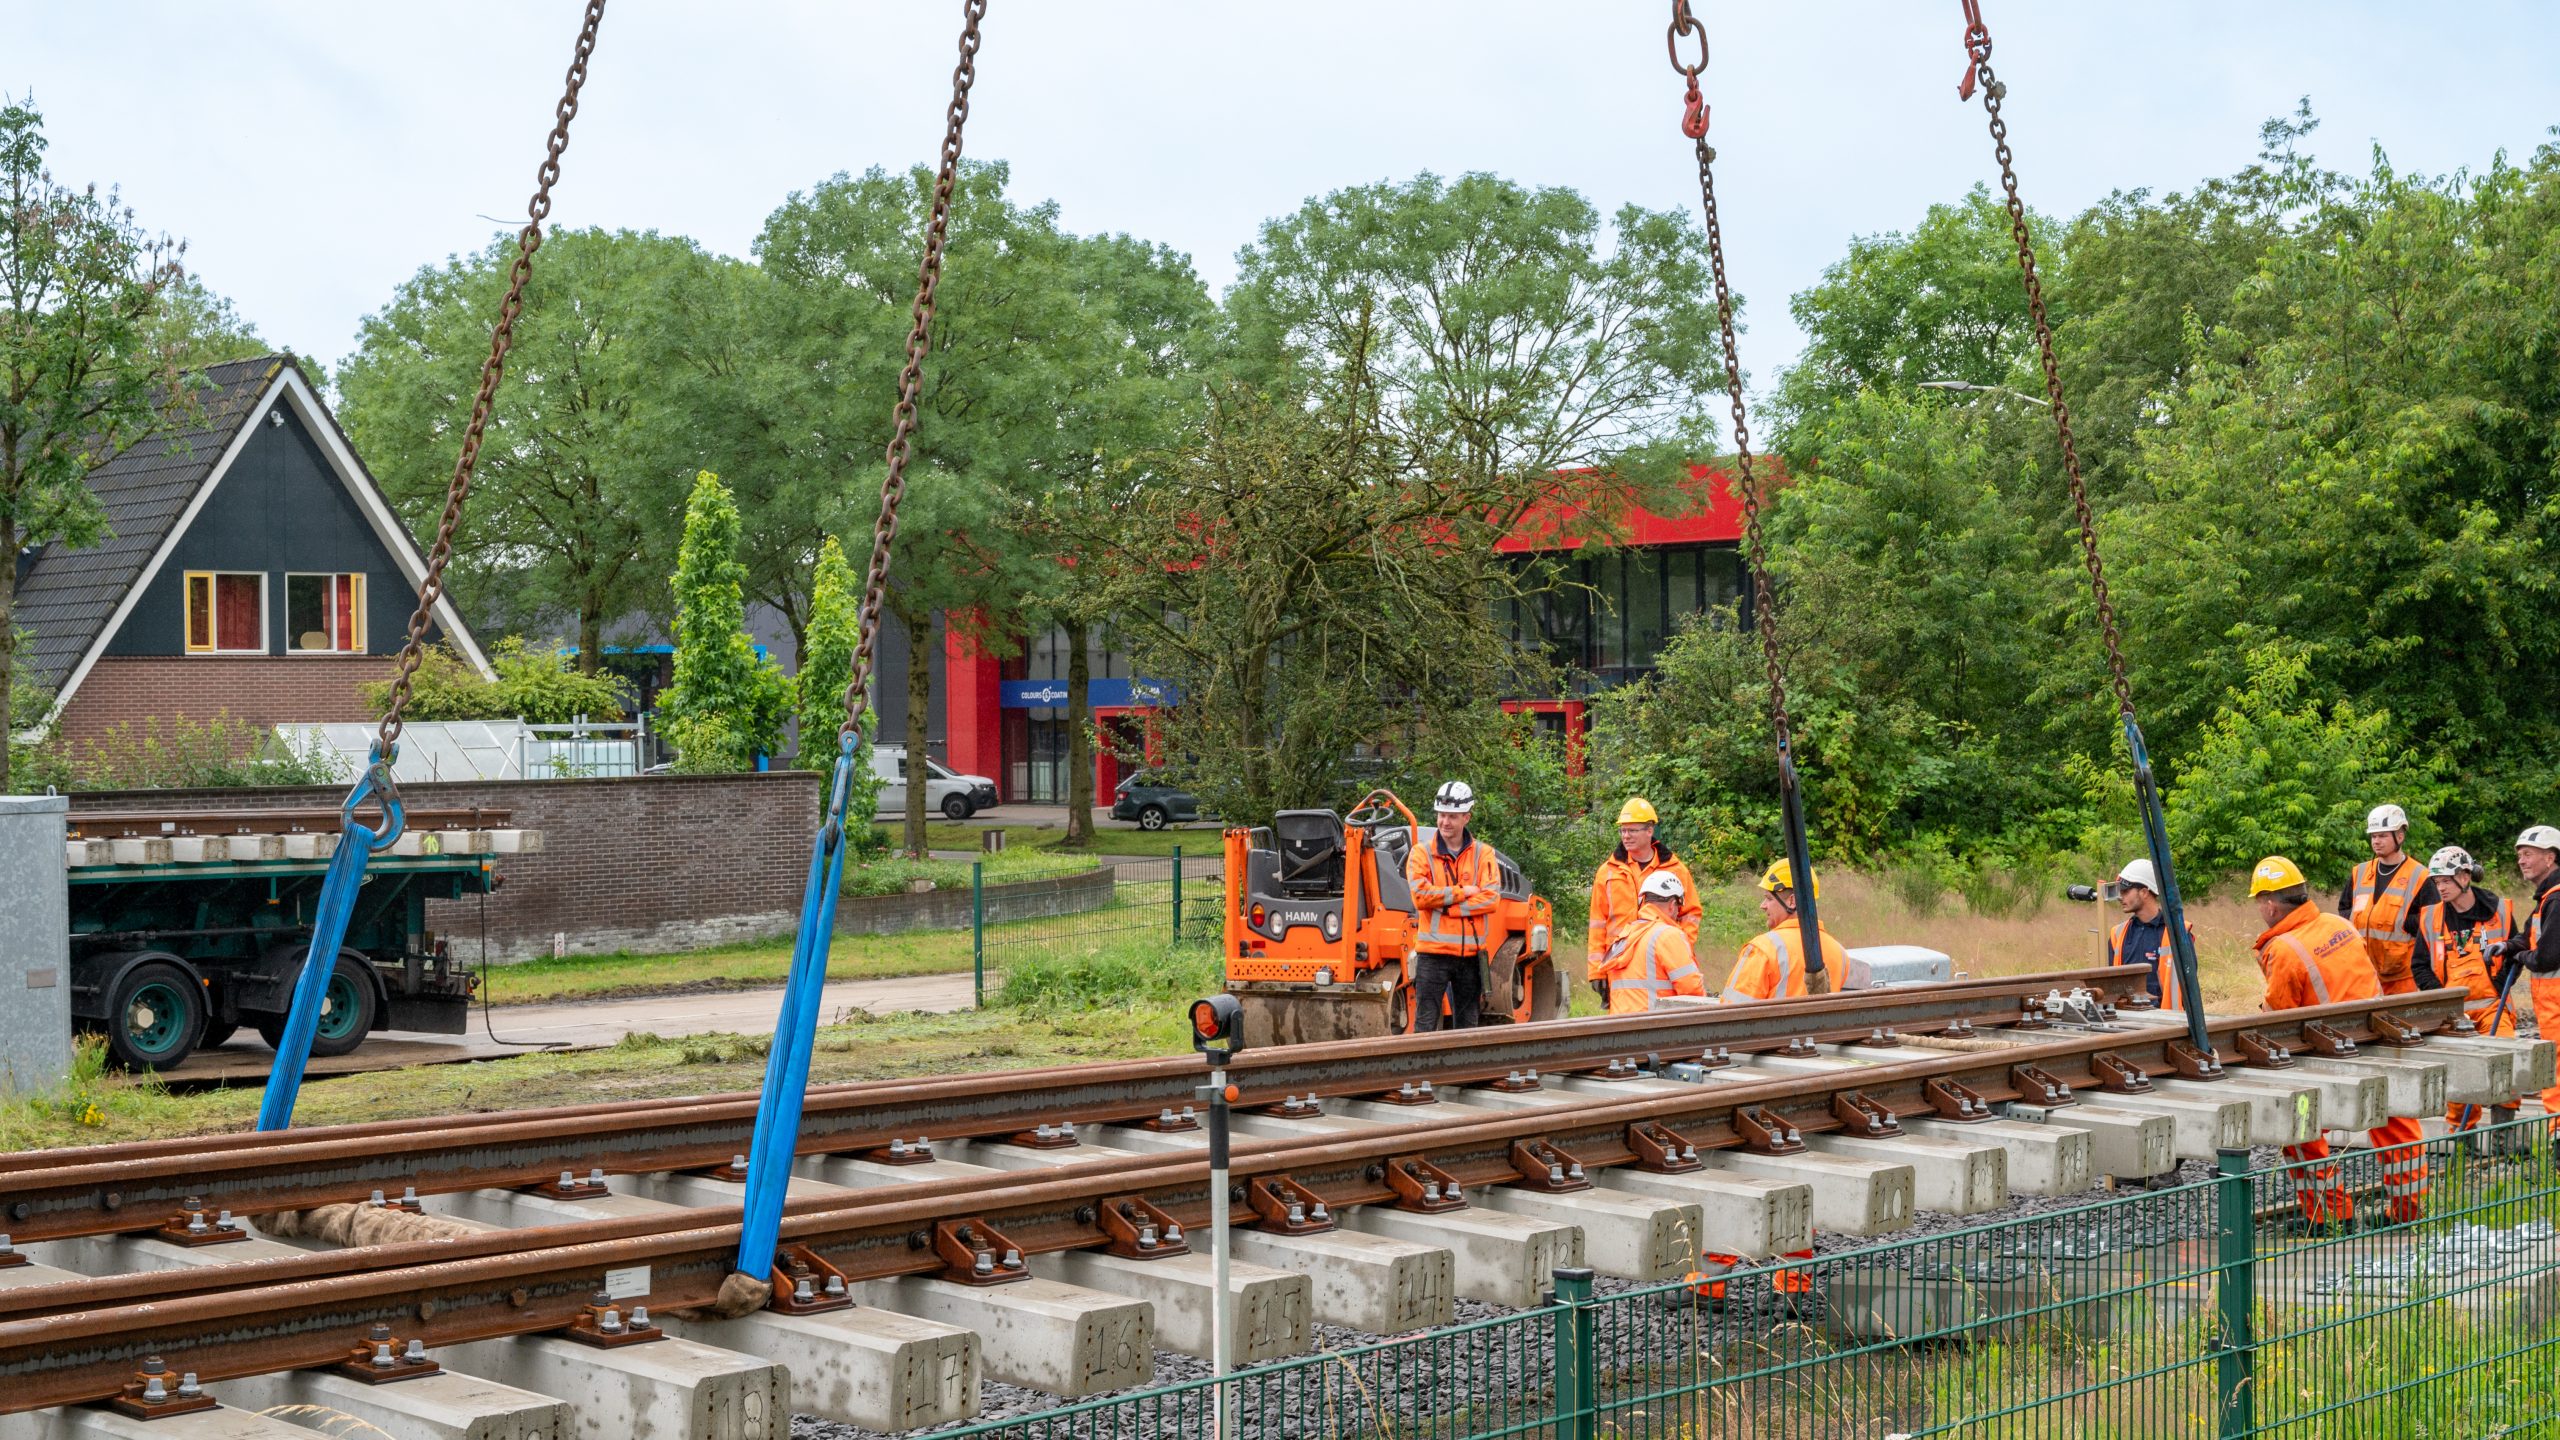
1035 739
1610 612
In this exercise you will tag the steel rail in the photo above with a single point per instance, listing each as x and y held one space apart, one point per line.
266 1316
136 1187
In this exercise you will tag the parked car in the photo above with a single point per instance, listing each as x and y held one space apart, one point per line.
1152 801
955 795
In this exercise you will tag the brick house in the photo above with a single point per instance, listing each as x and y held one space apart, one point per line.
253 567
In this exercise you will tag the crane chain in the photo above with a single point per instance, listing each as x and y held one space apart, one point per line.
893 485
501 339
1977 44
1764 609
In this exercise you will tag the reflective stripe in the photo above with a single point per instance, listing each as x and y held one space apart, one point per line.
2367 874
1779 991
2319 982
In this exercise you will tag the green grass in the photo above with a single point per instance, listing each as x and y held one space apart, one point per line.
894 874
1197 843
1115 1013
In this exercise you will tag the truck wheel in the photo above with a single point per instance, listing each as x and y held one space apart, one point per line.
346 1009
154 1017
957 807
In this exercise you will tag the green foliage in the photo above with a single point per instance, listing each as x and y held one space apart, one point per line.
727 704
81 289
181 754
625 366
539 685
2279 772
1125 977
826 651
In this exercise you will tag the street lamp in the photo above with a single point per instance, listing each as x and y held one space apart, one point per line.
1984 389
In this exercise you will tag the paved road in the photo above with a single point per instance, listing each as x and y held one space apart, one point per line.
589 1024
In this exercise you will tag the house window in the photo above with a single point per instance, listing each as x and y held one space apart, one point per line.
226 613
324 614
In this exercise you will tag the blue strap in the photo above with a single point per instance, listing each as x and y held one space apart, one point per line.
356 845
795 1031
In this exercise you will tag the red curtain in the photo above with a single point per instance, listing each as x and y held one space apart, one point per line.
238 617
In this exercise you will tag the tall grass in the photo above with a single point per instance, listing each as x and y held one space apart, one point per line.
1129 974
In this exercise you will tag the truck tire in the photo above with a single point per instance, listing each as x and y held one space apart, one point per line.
347 1008
154 1017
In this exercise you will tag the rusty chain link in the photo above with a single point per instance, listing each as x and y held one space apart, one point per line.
1977 45
1764 610
528 240
893 486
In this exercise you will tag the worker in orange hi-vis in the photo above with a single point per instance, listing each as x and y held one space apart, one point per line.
1651 956
2460 937
1772 967
2142 936
2312 958
2382 899
2538 948
1639 856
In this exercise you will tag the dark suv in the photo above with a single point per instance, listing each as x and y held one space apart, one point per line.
1153 802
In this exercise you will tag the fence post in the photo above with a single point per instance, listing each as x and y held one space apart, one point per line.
1577 1413
1177 894
978 928
2236 1295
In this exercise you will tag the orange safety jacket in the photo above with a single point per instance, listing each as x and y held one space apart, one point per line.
1452 894
1614 894
2311 957
1649 957
2160 962
2380 909
1771 967
2462 956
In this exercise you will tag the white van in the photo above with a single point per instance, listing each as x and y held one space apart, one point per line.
957 796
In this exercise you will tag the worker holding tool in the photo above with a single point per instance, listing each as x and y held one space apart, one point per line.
2461 934
1455 884
1614 889
1651 954
2382 900
1771 967
2310 957
2142 936
2537 950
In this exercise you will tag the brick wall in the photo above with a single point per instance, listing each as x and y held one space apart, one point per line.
652 863
263 690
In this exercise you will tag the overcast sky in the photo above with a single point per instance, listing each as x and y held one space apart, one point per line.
315 154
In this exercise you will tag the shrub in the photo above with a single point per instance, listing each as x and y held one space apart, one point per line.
184 754
538 685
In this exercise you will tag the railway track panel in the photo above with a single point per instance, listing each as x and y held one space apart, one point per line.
140 1187
308 1310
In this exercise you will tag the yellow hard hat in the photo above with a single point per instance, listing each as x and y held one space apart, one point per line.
1782 876
2275 873
1638 811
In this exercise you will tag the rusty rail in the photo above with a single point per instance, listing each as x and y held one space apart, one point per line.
85 1342
138 1186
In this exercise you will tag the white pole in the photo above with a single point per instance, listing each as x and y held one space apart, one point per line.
1221 1312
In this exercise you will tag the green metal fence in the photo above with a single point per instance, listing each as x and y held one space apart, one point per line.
2199 1310
1173 900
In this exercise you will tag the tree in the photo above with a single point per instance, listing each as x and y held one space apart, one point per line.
727 704
592 432
82 287
1035 345
1308 587
2278 772
1497 324
826 651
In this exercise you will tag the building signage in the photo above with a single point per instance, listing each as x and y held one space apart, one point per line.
1100 692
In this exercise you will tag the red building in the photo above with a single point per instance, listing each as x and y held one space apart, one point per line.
1623 598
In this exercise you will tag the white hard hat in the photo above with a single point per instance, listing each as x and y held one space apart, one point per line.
2139 872
2452 860
2540 836
1662 884
1455 798
2386 817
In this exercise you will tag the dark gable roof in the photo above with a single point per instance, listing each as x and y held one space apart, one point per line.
67 596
